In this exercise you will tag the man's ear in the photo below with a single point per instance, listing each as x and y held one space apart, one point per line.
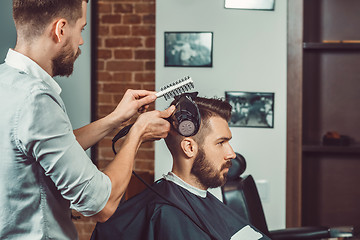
59 29
189 147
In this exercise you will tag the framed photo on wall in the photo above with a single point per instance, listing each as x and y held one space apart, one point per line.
251 109
188 49
251 4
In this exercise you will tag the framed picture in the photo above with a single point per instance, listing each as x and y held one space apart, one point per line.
251 109
188 49
251 4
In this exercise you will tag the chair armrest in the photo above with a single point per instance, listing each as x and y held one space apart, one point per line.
312 233
300 233
344 231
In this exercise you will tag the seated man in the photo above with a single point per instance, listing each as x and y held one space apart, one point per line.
181 207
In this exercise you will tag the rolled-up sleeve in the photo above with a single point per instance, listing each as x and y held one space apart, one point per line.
79 181
44 134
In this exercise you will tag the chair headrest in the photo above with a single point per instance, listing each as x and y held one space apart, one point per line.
238 167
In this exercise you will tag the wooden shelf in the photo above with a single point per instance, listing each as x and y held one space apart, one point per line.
322 82
317 148
330 46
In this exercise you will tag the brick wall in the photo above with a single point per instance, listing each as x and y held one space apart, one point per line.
125 59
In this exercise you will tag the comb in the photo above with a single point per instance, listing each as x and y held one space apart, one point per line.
176 88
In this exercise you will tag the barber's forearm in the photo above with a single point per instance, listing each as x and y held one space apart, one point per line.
92 133
119 171
132 100
149 126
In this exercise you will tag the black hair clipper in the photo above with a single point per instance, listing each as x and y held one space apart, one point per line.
171 90
186 117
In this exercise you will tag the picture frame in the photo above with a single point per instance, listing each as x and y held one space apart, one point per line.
251 109
188 49
268 5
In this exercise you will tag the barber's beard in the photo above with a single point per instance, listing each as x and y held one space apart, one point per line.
63 63
206 174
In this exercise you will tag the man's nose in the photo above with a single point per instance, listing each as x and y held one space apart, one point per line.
81 42
230 154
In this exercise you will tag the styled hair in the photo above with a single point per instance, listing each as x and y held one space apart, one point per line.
33 16
208 107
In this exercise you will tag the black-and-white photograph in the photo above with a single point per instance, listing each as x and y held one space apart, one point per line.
188 49
251 109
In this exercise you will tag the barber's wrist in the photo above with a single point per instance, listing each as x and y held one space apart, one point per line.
136 133
114 121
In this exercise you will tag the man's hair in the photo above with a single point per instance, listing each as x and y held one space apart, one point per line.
208 107
32 16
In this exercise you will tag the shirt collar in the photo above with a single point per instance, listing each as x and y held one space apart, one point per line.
178 181
25 64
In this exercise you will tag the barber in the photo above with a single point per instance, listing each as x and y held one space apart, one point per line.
44 169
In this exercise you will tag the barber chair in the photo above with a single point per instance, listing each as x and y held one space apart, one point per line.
241 195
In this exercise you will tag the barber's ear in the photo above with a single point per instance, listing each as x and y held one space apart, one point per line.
189 147
59 29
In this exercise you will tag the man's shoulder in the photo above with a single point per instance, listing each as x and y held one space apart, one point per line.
145 199
19 80
160 197
133 218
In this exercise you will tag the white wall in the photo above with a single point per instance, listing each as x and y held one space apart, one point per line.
77 88
7 29
249 55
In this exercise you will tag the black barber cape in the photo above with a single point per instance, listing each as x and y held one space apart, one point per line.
148 216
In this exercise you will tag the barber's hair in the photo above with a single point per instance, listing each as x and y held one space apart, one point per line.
33 16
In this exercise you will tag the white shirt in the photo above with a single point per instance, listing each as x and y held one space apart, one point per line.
175 179
44 170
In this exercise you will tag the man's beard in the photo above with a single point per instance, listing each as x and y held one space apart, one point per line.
63 63
205 172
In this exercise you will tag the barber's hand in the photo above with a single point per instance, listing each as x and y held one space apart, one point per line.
152 125
132 102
